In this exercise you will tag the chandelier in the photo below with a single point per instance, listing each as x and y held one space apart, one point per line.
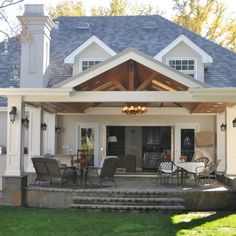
134 110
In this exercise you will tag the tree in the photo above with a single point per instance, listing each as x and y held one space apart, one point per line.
207 18
67 8
116 8
6 26
143 9
123 7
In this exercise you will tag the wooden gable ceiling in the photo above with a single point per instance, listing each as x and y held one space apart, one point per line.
132 76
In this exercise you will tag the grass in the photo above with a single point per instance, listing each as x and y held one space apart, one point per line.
46 222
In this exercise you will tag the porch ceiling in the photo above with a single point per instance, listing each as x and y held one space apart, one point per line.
72 107
132 76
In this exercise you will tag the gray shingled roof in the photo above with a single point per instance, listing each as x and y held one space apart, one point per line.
119 33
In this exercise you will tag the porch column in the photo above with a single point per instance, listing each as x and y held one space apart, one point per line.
14 179
34 137
221 142
230 141
15 139
49 135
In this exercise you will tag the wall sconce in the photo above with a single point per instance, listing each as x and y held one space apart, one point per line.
57 130
12 114
234 122
223 127
44 126
25 122
112 139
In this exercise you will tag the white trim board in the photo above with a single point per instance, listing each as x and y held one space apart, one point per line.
182 38
131 54
70 59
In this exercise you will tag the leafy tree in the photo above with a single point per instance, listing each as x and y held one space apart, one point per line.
123 7
116 8
67 8
143 9
207 18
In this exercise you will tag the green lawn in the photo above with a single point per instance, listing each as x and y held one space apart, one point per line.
28 221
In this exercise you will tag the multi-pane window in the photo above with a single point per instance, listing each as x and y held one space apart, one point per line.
86 64
186 66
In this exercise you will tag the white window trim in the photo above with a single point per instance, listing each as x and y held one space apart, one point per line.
70 59
89 59
185 58
206 59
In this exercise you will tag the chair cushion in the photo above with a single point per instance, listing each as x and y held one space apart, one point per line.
202 153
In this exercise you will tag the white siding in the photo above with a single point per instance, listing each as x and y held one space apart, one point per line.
184 51
93 51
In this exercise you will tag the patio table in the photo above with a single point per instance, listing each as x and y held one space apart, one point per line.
190 167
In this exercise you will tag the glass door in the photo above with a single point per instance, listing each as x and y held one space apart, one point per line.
87 138
185 140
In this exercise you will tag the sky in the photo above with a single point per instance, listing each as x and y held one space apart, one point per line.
164 6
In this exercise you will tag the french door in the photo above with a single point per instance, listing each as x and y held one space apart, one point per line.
87 138
185 140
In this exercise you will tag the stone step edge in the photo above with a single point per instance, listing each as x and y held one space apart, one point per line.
126 207
126 199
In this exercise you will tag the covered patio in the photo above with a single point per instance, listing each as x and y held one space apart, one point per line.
94 100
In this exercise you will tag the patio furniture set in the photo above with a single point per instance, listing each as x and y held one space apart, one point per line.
201 169
50 169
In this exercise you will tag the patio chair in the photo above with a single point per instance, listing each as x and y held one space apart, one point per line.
105 172
208 173
202 159
167 170
83 157
49 169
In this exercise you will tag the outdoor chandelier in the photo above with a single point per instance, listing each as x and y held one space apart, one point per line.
134 110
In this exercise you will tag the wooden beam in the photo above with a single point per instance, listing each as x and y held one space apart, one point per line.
118 84
146 82
131 75
167 88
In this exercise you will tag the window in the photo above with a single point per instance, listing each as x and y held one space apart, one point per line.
87 63
186 66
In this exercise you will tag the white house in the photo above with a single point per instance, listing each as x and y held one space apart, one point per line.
77 74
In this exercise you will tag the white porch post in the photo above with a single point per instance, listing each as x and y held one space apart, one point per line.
34 136
15 139
14 180
221 142
230 142
49 135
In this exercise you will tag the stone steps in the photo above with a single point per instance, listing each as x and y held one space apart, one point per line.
108 207
128 201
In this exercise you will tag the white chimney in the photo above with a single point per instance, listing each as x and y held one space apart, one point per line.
35 46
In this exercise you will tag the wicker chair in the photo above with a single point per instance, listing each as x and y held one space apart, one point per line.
202 159
208 173
105 172
49 169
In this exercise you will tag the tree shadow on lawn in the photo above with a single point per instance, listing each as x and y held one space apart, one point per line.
201 220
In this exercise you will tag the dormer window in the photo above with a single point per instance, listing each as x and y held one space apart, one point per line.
185 65
88 63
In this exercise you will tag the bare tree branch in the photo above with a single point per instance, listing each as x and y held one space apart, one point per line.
8 3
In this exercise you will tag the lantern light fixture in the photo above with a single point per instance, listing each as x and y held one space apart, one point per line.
57 129
12 114
234 122
25 122
44 126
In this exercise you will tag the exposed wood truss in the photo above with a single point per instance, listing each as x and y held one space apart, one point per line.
132 76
